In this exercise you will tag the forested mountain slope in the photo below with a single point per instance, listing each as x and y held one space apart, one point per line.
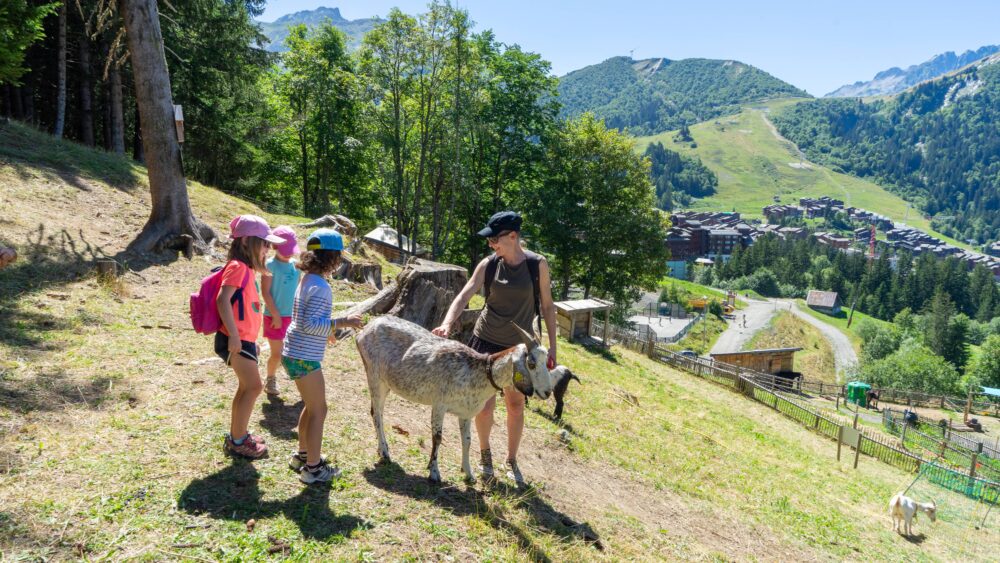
654 95
937 144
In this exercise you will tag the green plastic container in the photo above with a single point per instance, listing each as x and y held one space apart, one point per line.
857 392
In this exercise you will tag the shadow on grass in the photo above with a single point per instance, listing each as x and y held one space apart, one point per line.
916 539
560 422
233 494
598 349
390 477
49 261
280 418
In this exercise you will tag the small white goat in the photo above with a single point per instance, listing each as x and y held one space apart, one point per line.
903 508
406 358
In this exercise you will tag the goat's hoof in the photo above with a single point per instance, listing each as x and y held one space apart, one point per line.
434 479
383 460
470 480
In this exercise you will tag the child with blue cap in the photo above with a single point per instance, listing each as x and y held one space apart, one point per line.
305 344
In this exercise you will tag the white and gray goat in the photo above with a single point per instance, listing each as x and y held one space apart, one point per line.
406 358
904 509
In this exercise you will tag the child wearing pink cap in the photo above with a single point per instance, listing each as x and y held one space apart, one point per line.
279 298
240 310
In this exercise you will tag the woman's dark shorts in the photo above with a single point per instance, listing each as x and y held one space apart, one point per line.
249 350
485 346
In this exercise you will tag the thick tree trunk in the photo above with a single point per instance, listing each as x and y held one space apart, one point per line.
61 85
116 99
171 224
28 102
14 101
137 153
106 121
86 94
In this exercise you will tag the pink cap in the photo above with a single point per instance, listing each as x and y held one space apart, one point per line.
252 226
290 246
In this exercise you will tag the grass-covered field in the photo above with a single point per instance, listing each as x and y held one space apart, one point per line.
754 164
112 414
814 361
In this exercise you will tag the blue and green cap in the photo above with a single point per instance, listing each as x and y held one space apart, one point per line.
325 239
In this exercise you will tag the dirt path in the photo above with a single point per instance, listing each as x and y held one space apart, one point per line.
844 355
758 314
802 156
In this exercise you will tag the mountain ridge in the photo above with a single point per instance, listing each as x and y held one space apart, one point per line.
648 96
894 80
277 31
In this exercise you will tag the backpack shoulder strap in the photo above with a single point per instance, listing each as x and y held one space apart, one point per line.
238 294
534 260
491 272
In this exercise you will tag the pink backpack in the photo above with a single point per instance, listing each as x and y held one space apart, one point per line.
203 309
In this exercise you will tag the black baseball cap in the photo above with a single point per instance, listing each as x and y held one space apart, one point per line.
500 222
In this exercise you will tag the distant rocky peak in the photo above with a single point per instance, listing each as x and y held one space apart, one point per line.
319 13
895 79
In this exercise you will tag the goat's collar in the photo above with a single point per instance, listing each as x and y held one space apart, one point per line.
489 373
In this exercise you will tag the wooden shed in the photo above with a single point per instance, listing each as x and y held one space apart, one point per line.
824 301
773 360
390 244
574 317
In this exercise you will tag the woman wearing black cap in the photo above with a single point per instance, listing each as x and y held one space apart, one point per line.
516 277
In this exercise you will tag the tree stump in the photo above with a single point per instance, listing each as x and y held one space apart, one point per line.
107 269
370 274
363 273
421 293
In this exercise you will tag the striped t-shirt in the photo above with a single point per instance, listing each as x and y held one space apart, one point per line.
311 320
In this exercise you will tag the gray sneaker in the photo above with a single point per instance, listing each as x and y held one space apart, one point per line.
297 461
271 386
514 473
322 473
486 465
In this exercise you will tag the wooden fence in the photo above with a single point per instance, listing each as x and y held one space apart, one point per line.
951 453
645 344
772 393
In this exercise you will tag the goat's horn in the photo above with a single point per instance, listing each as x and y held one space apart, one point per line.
528 340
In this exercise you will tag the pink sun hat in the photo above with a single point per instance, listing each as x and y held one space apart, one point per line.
290 247
252 226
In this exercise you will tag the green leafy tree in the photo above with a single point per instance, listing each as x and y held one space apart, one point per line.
878 340
595 211
21 25
320 92
986 368
944 332
912 367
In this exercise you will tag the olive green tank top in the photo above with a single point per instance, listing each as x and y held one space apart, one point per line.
512 298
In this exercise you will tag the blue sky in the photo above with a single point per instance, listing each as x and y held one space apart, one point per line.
816 46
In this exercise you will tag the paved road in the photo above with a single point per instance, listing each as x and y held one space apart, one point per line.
844 356
758 314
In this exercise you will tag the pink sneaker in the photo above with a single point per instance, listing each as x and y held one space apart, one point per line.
252 447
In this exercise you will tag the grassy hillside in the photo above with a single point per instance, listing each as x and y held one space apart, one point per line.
814 361
112 414
754 164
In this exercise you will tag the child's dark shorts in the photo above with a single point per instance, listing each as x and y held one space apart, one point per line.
249 350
